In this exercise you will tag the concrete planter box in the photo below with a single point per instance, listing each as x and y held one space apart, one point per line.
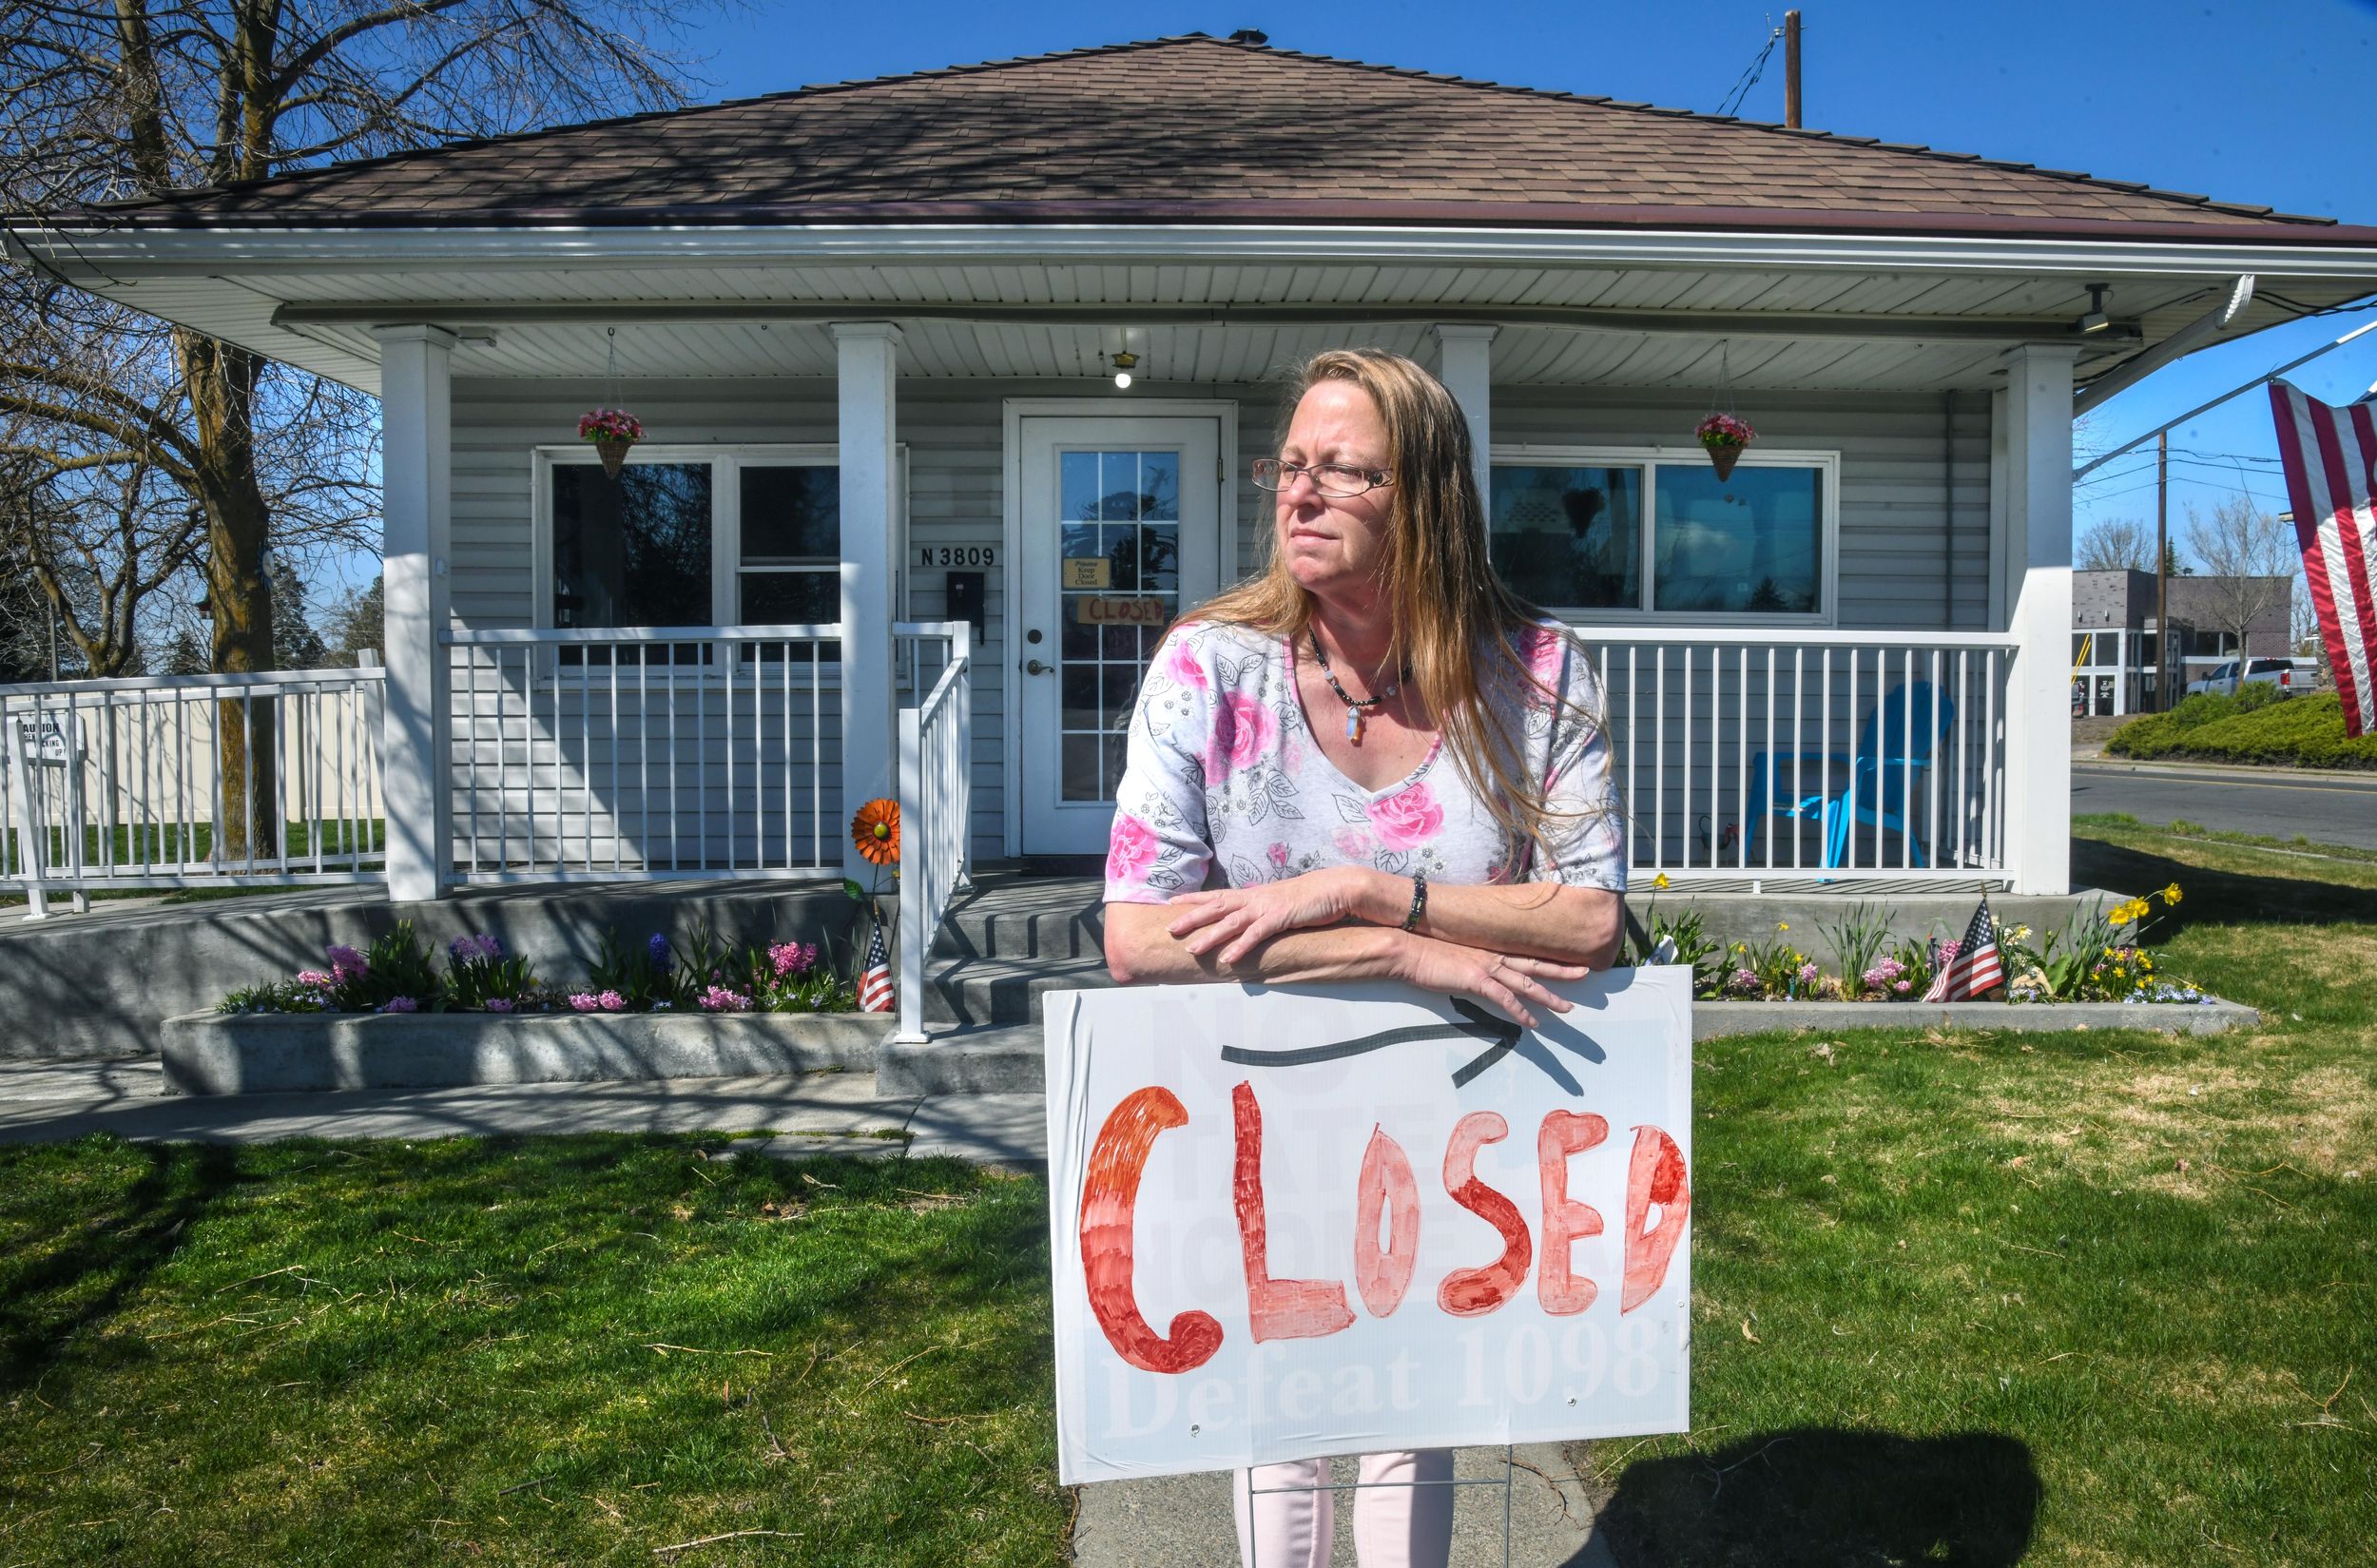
212 1053
1713 1021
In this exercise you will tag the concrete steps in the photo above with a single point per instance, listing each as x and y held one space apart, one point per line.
1005 945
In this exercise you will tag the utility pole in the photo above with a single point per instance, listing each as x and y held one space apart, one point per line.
2162 572
1790 68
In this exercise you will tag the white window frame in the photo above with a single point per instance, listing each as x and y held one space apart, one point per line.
726 459
1648 459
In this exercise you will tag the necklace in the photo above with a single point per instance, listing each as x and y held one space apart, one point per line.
1356 709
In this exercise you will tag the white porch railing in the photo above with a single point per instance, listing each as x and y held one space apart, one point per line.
1808 756
936 807
123 784
644 753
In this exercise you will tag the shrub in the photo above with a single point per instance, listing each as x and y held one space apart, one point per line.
2302 732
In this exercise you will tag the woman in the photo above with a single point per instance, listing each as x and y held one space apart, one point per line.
1397 771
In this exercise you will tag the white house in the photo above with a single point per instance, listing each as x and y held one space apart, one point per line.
873 330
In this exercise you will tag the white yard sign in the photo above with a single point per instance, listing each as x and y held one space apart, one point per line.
1290 1222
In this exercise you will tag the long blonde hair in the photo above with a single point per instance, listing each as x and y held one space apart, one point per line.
1455 623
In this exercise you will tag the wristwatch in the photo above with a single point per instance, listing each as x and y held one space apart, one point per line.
1419 901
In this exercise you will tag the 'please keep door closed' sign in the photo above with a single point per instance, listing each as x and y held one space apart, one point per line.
1290 1222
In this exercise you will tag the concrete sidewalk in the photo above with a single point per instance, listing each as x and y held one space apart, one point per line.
817 1113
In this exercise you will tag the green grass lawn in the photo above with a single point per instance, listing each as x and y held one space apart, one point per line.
2092 1298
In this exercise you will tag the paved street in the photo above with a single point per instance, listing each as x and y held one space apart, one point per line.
2325 810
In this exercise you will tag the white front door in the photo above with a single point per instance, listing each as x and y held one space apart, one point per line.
1121 526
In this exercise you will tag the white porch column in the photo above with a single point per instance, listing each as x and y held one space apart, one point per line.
417 472
2039 613
868 369
1465 365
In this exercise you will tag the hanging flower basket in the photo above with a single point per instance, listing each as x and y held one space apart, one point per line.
613 431
1724 436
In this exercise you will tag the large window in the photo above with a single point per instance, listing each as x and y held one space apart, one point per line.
1642 534
692 536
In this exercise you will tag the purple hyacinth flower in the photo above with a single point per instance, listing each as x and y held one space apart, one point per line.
658 948
401 1004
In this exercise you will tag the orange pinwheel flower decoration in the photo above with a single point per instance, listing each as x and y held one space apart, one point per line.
876 831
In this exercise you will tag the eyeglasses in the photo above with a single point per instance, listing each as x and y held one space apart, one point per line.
1336 479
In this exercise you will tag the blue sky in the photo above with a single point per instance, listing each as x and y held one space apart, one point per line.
2246 102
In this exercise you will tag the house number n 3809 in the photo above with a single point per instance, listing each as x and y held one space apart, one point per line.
956 555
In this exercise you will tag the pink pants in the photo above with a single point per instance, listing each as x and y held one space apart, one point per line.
1399 1524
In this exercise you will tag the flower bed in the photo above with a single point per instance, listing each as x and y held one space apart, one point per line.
480 975
2099 954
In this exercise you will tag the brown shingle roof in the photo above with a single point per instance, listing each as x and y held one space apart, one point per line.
1197 129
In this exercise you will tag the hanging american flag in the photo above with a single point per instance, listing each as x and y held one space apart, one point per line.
2330 457
1975 969
875 981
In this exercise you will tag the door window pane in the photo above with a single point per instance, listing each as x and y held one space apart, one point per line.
634 552
1570 537
1118 534
1748 545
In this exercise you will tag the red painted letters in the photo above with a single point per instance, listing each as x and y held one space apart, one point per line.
1655 1174
1386 1185
1565 1221
1276 1309
1474 1292
1110 1192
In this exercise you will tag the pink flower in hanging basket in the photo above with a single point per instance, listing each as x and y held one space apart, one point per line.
610 425
1724 430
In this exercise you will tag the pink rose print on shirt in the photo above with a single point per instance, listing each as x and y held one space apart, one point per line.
1543 650
1130 850
1352 844
1279 856
1243 731
1407 818
1185 668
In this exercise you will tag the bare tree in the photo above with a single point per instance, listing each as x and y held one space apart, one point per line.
2250 563
180 449
2117 544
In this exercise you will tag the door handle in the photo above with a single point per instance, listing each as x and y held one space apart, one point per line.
1034 666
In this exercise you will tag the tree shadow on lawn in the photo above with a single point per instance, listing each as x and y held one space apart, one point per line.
2220 898
1827 1497
108 1256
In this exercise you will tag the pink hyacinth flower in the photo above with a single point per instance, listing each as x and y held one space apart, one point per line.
583 1002
314 979
612 1001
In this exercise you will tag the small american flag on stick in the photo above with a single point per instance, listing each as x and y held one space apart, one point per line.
875 981
1975 969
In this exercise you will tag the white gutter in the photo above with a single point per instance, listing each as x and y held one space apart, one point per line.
119 255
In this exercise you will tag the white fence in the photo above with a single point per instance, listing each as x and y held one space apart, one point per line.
125 782
1808 756
936 809
655 752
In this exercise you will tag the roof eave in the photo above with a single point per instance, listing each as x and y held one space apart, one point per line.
1583 217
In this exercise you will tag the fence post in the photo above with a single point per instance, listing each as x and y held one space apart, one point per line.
31 840
914 848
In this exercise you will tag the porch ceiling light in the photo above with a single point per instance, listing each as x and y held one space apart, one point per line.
1123 364
2094 318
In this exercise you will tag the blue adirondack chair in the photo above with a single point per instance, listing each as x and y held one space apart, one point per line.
1886 771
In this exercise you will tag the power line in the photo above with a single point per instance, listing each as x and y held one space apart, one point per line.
1750 78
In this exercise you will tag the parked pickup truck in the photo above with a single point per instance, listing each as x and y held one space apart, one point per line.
2225 678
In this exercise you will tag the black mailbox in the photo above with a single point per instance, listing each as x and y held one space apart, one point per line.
964 600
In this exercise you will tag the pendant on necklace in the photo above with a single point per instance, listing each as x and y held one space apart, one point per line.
1353 725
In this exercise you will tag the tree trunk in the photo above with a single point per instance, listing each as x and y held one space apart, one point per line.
221 382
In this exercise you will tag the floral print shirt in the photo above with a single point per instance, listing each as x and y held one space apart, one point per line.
1225 785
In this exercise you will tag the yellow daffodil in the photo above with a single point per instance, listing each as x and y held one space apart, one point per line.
1782 925
2171 894
1659 880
